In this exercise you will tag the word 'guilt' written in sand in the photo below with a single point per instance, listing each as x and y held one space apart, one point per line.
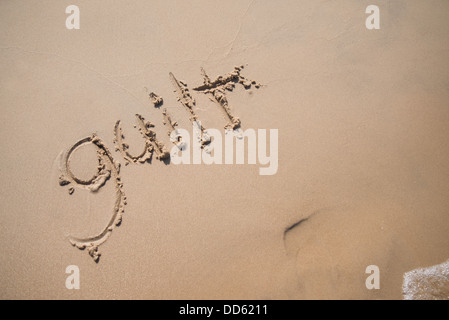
206 147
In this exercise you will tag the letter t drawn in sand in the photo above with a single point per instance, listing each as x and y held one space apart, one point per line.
219 87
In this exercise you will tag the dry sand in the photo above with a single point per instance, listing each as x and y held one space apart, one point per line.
363 148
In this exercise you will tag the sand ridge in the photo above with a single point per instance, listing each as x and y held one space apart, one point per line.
156 99
169 122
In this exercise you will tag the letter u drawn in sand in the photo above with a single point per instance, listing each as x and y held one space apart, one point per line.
151 143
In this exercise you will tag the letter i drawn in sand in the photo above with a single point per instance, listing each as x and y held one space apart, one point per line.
173 133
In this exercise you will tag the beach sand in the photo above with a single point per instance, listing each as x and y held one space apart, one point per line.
362 118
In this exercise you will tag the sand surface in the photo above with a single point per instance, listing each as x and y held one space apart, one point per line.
362 117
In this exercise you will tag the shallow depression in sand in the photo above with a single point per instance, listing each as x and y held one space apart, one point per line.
84 162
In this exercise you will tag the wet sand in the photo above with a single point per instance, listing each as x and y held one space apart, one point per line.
362 117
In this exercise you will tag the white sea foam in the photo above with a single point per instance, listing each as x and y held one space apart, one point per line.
430 283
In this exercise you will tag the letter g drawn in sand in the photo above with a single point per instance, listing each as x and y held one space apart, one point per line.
107 168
